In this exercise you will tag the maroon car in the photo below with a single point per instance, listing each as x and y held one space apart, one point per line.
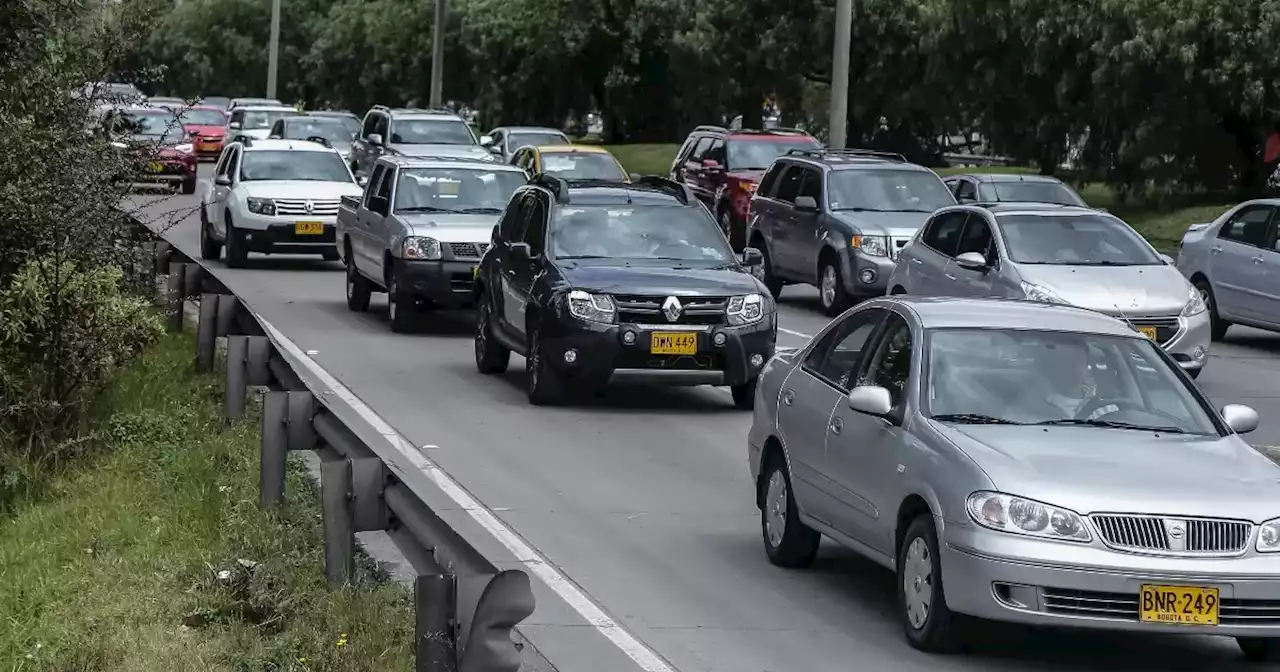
154 137
723 167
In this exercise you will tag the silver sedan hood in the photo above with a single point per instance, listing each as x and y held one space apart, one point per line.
1091 470
1131 291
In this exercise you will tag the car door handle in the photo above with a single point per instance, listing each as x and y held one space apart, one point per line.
1216 249
788 397
917 262
836 425
949 276
1257 260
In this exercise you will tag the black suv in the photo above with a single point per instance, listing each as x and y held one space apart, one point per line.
836 218
595 281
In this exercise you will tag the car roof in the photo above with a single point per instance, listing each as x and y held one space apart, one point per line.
214 108
146 109
615 192
938 312
310 116
264 108
1010 177
288 145
532 129
332 113
1001 209
418 113
571 149
448 162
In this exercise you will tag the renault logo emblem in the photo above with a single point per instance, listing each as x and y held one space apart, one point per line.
309 207
672 309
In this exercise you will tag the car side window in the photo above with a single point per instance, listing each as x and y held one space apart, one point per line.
277 129
535 230
233 162
977 238
380 125
700 149
770 179
966 191
370 121
237 116
838 356
384 187
716 152
789 184
224 162
1249 226
890 364
510 227
811 185
942 233
375 182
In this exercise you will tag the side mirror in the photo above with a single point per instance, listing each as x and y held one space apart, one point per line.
806 204
972 261
752 257
711 164
222 180
235 125
1240 418
486 140
635 177
375 139
870 399
521 251
362 180
495 150
1168 260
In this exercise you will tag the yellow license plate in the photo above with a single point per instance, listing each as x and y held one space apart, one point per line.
1149 332
667 343
1179 605
155 167
309 228
475 272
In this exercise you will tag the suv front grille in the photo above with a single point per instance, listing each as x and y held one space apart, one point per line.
298 208
1173 536
468 250
648 310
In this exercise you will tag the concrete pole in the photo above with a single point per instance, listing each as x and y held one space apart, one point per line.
437 56
273 49
840 74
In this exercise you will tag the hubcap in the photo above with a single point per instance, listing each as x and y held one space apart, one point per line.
775 509
828 285
1204 296
917 583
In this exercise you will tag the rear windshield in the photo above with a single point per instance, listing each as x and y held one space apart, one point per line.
747 154
287 165
332 130
582 166
254 119
1028 192
431 132
1074 240
887 191
519 140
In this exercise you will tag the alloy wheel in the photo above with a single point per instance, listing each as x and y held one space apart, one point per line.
828 285
775 502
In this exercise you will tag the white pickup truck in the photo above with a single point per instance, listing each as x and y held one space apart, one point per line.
419 230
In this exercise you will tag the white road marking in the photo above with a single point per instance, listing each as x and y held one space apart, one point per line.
647 659
794 333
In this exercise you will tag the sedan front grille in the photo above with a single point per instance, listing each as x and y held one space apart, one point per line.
1173 536
298 208
468 250
1167 328
648 310
1124 607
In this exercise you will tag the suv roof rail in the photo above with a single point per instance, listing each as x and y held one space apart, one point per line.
320 140
677 189
824 152
382 108
432 110
711 128
557 186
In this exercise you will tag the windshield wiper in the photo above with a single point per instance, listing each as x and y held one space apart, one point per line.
478 210
583 256
423 208
1113 424
975 419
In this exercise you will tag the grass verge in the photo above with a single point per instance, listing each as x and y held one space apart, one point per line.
153 555
1162 226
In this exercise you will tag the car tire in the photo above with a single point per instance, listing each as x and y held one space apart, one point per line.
189 186
771 281
236 254
744 395
831 290
787 541
358 289
210 249
725 219
1259 649
492 357
542 382
922 604
1194 373
1217 326
400 308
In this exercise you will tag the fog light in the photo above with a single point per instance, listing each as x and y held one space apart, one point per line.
756 360
1199 353
570 356
719 339
868 276
629 337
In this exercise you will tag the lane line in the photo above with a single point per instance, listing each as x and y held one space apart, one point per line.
794 333
646 658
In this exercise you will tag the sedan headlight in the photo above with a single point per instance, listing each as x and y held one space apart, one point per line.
1195 303
745 309
873 246
1017 515
185 148
1269 537
420 247
1041 293
261 206
592 307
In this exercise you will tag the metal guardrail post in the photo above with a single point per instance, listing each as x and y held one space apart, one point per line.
237 383
191 280
227 304
368 487
298 418
206 333
434 599
339 521
273 448
161 257
259 353
506 601
173 297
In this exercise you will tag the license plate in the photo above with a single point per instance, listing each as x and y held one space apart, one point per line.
309 228
155 167
667 343
1149 332
1179 605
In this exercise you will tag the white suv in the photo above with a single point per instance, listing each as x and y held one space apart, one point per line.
274 196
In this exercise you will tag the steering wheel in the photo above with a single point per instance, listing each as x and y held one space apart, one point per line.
1098 407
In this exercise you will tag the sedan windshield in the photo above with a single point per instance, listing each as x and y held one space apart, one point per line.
158 126
519 140
330 129
887 191
431 132
287 165
758 154
637 232
999 376
582 166
197 117
254 119
1028 192
456 189
1074 240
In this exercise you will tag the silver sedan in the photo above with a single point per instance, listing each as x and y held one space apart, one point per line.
1049 461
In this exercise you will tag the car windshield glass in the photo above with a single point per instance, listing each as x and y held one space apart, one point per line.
329 129
431 132
254 119
351 124
204 118
293 165
160 126
1028 192
582 166
1074 240
637 232
216 101
456 189
526 139
758 154
1015 376
887 190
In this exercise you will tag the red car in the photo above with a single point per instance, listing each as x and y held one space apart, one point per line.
153 141
207 127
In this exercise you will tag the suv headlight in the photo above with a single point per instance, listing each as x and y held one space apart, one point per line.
1017 515
592 307
420 247
1269 537
261 206
1195 303
745 309
874 246
1041 293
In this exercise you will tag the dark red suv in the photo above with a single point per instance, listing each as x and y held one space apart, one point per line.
723 167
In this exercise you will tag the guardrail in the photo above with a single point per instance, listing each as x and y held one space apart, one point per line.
466 609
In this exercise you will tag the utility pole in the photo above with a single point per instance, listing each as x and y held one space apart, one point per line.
437 56
273 49
840 75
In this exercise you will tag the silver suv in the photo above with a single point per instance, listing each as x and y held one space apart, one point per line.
413 132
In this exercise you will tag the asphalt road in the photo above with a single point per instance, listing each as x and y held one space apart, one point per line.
643 497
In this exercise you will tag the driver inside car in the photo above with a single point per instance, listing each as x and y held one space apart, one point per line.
1070 385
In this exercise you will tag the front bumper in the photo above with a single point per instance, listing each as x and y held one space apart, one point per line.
600 352
167 172
445 283
864 275
1190 346
279 235
209 147
1003 577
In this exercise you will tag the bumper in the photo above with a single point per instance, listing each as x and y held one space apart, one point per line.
1190 347
1001 577
446 283
273 235
866 276
600 352
209 148
169 173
